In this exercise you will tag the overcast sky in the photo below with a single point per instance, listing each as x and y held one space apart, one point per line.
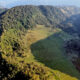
11 3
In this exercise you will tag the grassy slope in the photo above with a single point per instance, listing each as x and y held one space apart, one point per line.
45 48
50 53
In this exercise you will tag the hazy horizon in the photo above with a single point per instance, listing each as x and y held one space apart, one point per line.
12 3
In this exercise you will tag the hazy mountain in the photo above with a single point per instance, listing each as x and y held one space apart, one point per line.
2 10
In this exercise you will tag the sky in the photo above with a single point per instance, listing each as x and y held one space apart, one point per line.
12 3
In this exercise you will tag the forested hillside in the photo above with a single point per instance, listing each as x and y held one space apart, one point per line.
35 41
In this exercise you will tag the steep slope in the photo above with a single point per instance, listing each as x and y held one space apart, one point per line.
32 40
56 15
71 24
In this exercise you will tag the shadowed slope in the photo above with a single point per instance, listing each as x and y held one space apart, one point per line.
50 51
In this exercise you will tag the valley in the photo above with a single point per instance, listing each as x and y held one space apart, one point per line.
38 43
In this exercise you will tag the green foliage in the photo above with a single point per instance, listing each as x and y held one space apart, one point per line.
36 72
11 42
29 16
15 25
7 71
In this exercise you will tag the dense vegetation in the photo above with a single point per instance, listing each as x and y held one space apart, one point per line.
32 42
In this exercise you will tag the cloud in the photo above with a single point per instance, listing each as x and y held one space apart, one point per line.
2 3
